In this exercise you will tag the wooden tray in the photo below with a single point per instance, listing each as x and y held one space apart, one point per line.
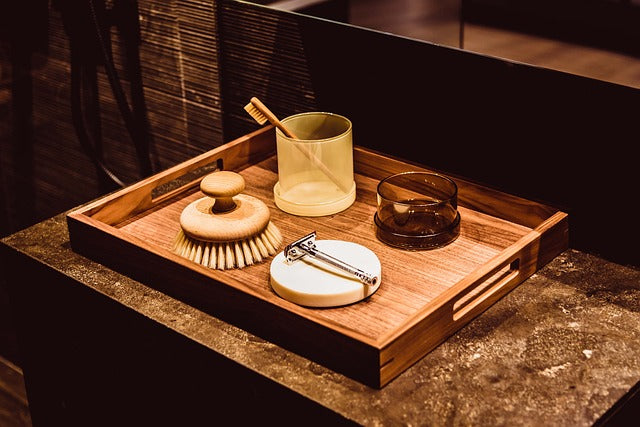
424 297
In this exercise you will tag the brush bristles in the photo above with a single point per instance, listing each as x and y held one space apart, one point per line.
257 115
228 255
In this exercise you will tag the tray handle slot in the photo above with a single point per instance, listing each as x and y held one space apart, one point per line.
169 188
488 285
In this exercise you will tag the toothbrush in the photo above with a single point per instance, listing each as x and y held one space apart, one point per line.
262 114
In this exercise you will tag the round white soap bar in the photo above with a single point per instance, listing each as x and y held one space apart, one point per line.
313 283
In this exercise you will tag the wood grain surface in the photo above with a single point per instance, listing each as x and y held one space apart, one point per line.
424 296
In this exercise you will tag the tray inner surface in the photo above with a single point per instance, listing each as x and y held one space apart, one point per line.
410 280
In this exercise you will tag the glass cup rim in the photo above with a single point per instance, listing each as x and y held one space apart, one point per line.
452 196
317 113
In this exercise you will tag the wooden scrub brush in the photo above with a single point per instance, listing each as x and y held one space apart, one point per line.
226 229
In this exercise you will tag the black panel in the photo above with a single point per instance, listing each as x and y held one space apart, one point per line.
542 134
607 24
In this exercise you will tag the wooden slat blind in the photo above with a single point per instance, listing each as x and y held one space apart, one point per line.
179 52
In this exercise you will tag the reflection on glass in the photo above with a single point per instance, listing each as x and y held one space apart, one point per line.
596 39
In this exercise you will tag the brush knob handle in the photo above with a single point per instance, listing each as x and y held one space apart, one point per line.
222 186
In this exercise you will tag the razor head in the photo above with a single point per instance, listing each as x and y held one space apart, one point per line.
293 251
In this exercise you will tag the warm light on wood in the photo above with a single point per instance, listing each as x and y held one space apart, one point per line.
425 296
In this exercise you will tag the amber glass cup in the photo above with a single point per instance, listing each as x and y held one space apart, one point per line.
417 211
315 171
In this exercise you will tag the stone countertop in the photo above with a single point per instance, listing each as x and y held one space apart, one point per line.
560 349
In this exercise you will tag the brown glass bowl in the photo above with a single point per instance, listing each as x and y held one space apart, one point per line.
417 211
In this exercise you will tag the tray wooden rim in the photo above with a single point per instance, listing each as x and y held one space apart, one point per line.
102 213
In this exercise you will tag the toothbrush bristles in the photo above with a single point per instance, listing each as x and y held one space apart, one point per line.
257 115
